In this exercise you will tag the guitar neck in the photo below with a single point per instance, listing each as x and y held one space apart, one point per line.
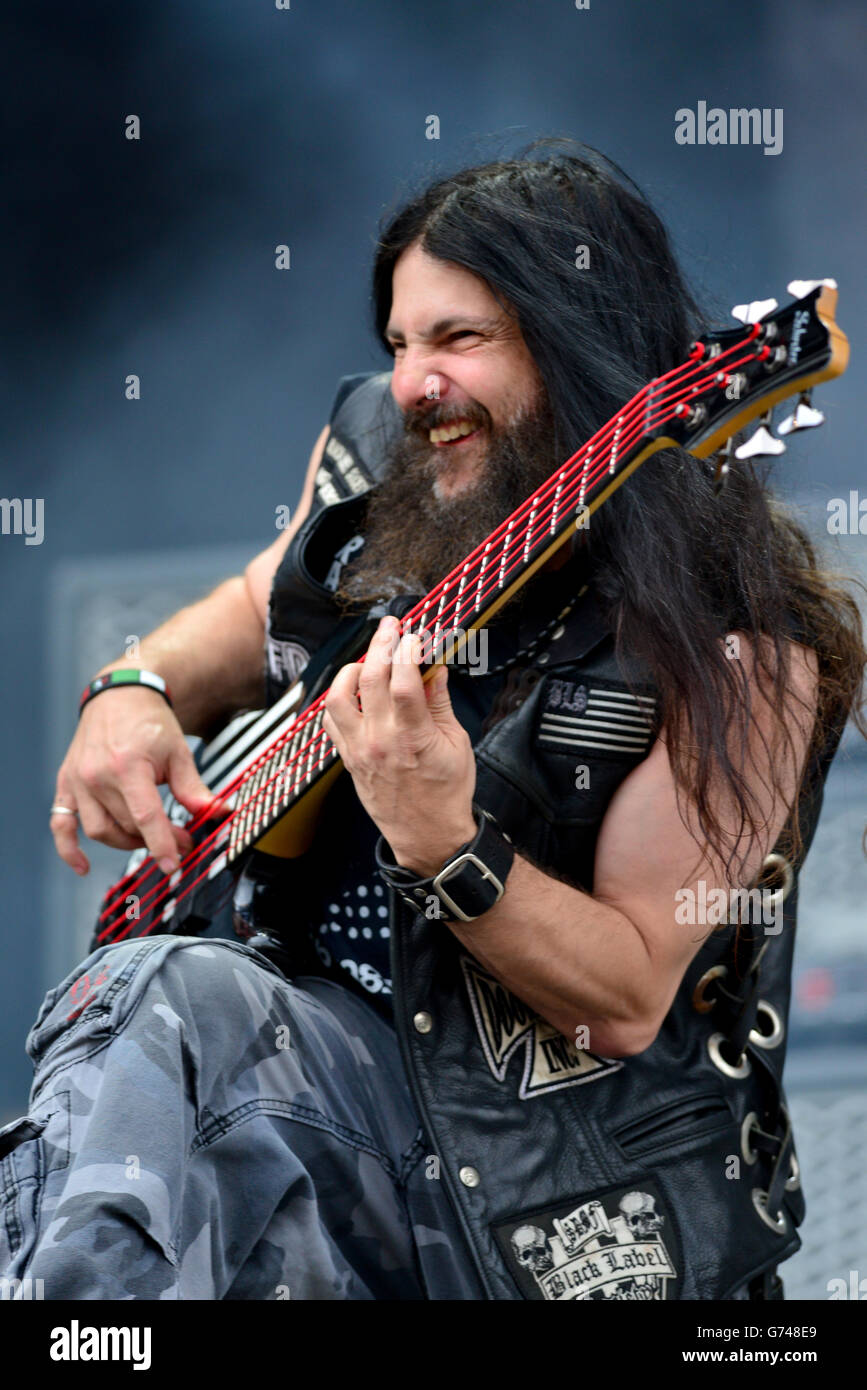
279 791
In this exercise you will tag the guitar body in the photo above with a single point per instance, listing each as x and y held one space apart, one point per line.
208 908
242 896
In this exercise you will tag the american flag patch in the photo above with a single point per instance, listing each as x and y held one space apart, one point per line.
584 715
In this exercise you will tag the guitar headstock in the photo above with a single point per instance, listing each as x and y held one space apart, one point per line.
740 374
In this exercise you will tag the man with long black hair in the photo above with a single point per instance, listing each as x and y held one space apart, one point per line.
503 1065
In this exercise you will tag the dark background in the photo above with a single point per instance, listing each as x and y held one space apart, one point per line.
156 257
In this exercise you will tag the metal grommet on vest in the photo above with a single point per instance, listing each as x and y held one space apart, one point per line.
750 1155
776 864
778 1223
751 1122
699 1002
469 1176
774 1036
793 1181
422 1021
738 1069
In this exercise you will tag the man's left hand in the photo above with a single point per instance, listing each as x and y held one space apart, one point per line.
410 759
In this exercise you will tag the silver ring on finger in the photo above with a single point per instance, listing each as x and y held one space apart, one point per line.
63 811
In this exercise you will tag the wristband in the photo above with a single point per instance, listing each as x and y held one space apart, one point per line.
467 885
118 678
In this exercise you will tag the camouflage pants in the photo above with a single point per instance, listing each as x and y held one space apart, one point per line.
202 1128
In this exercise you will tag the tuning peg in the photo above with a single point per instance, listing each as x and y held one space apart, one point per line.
804 417
721 472
801 288
751 313
762 444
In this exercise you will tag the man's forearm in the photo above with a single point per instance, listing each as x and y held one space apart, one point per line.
574 958
569 957
209 654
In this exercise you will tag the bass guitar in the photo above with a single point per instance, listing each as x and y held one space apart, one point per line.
270 772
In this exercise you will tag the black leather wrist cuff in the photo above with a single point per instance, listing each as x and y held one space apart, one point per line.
467 885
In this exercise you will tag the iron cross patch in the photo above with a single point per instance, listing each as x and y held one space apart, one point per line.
506 1025
620 1243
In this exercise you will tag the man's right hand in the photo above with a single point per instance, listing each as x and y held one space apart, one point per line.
127 743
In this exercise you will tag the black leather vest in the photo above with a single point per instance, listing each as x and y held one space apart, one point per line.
670 1174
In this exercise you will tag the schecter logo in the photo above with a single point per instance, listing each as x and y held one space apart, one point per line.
799 328
506 1025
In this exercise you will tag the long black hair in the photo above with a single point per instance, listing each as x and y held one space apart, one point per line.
571 247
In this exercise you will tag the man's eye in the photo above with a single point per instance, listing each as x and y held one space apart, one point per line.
465 333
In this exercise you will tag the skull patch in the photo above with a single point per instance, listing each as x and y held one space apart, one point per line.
531 1248
621 1243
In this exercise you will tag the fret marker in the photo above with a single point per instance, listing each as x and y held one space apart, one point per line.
583 488
615 444
561 477
458 603
438 619
480 584
502 573
528 542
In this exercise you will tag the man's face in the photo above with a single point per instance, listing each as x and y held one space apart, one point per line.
459 360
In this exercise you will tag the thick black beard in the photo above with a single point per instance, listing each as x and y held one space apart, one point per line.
413 538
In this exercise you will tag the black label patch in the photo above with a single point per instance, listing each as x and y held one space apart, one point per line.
505 1025
620 1243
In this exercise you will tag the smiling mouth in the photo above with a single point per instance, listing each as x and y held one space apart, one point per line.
458 432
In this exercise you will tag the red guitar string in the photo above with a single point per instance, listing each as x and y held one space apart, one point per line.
464 572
